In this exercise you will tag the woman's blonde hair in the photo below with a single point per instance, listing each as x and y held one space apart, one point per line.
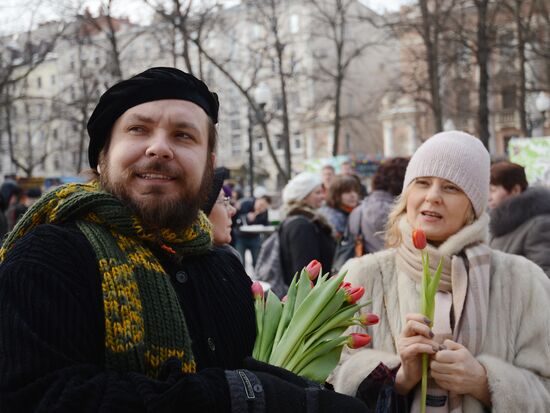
393 234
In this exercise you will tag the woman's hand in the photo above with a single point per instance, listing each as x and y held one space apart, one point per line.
415 340
456 369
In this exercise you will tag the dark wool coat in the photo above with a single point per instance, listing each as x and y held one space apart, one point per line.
521 226
52 331
303 240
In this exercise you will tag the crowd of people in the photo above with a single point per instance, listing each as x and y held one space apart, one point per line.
129 293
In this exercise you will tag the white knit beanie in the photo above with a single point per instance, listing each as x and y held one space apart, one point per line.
300 186
457 157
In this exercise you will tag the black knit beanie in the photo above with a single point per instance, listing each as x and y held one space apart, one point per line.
156 83
220 174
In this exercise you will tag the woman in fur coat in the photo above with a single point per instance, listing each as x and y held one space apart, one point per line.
520 215
489 341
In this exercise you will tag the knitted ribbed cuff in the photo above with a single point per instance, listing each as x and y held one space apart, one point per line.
246 391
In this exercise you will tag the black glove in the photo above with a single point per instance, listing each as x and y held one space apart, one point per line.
251 363
276 390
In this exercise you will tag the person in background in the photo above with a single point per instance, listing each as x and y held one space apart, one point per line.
305 234
488 341
219 210
3 221
15 202
342 198
327 176
520 215
32 195
372 213
252 211
346 169
111 296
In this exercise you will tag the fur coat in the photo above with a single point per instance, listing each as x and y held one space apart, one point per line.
516 350
521 225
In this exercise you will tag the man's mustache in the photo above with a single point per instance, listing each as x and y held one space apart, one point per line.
156 167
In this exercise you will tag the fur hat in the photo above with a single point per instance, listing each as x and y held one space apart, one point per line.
457 157
156 83
300 186
220 174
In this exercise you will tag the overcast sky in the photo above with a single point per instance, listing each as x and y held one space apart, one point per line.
16 15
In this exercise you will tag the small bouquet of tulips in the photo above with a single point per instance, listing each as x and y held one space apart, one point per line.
303 333
427 301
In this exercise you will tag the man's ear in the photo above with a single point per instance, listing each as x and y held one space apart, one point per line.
213 156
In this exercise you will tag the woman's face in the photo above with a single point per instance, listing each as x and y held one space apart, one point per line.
438 207
349 199
220 217
315 198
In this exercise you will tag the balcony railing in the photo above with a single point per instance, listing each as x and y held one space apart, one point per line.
507 118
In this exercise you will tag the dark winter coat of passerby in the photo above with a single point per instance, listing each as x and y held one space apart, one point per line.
111 296
373 212
341 199
305 234
521 225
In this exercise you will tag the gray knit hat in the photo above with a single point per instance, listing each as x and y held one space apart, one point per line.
457 157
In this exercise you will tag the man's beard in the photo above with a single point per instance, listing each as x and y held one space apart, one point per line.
160 212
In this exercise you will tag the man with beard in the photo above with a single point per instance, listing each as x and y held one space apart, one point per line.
111 297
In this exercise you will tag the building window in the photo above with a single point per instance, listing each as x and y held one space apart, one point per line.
39 82
279 142
463 101
235 124
235 145
294 23
52 80
260 145
508 95
297 141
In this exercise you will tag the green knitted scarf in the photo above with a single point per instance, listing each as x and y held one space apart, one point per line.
144 323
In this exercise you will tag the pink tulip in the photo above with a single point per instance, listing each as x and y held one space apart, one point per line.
345 285
313 269
354 294
357 340
369 319
257 290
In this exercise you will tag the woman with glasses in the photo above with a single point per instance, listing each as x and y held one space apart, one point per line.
219 209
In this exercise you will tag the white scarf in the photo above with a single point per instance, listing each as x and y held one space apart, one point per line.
464 290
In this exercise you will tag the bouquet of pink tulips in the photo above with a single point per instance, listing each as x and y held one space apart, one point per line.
304 332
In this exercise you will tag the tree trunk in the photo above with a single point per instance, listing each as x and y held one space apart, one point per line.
430 36
522 61
482 55
286 123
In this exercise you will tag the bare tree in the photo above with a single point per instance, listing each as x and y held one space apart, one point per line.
18 60
336 20
427 66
